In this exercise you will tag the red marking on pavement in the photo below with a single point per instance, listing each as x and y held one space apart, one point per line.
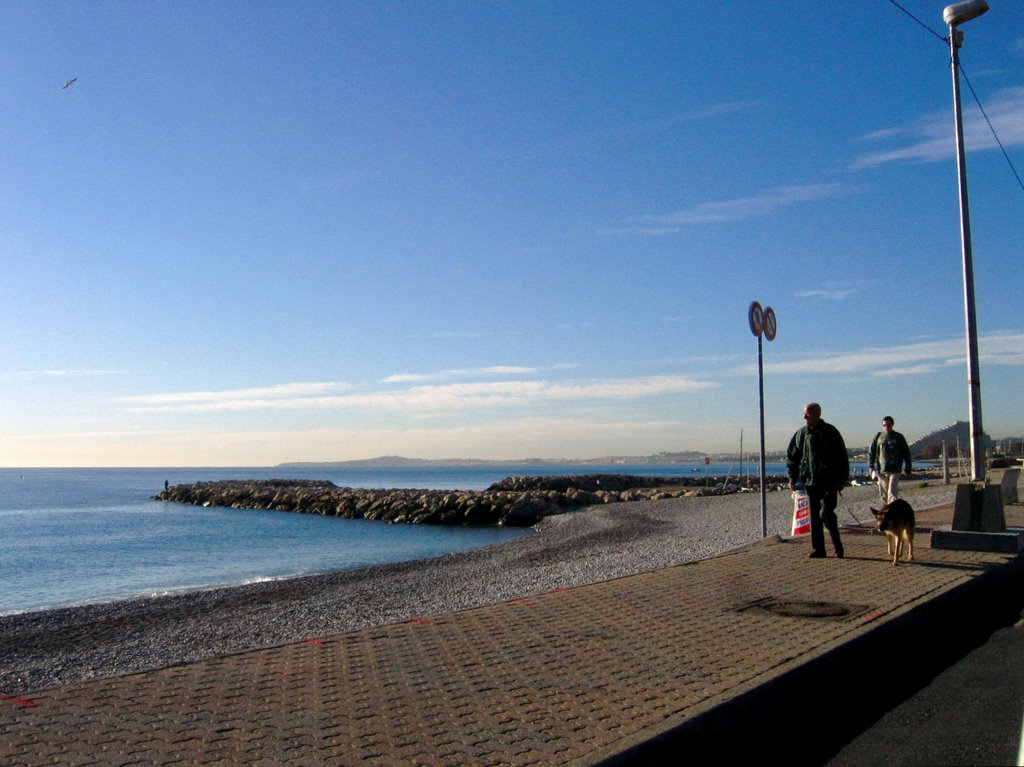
19 701
419 620
313 640
521 599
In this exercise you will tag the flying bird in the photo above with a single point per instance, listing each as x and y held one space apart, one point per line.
68 84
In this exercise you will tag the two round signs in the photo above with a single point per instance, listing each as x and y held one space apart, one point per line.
762 321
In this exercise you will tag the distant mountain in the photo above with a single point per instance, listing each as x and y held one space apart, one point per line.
396 461
658 459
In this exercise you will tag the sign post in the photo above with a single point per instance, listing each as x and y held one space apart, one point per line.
762 323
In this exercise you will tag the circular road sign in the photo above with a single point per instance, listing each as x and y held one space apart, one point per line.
756 317
771 325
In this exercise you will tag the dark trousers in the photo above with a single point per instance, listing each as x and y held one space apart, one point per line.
823 510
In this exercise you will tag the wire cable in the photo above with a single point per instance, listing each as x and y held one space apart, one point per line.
991 128
943 39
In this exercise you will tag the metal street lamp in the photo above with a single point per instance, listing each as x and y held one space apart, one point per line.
955 15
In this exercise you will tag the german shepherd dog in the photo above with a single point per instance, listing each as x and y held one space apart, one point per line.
896 520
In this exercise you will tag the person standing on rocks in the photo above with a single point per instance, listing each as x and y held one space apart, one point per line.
889 454
817 459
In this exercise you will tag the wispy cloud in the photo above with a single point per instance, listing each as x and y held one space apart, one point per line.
650 231
644 129
32 375
496 370
705 112
835 294
451 334
998 348
280 393
760 204
505 437
418 399
900 372
723 108
575 325
931 139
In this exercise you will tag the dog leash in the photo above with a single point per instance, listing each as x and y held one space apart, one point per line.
848 508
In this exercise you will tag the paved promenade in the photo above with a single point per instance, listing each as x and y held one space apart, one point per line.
755 651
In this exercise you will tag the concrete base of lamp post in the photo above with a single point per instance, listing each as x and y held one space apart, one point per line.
1010 542
979 523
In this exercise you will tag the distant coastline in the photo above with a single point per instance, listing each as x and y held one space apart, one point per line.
395 461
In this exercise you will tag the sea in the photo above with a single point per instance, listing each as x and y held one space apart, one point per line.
83 536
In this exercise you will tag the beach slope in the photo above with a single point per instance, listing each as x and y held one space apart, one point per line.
43 649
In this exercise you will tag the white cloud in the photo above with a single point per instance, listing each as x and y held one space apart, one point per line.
503 438
499 370
707 112
1001 348
996 348
905 371
31 375
724 108
1010 360
458 335
672 123
417 399
836 294
648 231
283 392
742 208
932 140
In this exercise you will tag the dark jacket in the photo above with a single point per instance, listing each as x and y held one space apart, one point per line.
818 458
889 453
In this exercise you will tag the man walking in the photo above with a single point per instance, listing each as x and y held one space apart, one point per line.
889 454
817 458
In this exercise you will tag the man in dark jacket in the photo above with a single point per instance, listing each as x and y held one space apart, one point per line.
817 458
888 456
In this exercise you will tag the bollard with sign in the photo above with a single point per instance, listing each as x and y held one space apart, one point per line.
762 322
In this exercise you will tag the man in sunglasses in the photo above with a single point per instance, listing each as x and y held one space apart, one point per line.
887 458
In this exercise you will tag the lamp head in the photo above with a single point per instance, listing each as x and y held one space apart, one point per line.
958 13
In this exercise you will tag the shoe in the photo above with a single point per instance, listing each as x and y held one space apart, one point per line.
839 552
817 555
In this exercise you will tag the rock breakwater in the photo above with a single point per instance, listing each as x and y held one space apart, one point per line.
517 501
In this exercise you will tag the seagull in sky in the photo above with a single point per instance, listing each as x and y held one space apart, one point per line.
68 84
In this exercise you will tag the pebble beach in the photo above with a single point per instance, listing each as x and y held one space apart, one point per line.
54 647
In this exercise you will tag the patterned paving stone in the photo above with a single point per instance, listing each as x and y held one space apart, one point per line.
561 678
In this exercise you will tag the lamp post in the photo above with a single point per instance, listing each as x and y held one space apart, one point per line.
955 15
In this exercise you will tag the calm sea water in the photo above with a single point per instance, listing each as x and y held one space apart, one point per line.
79 536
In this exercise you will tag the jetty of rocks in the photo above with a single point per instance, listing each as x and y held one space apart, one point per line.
516 501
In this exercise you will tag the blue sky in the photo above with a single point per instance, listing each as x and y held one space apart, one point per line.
250 233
